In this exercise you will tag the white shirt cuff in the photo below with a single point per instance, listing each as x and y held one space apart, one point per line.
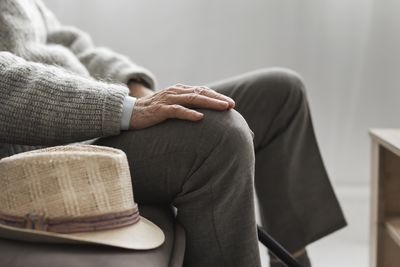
127 109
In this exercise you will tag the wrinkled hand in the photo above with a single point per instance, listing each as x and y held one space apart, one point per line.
176 102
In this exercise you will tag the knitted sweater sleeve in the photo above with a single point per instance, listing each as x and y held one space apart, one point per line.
102 63
46 105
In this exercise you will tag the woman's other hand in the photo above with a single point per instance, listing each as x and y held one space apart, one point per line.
138 90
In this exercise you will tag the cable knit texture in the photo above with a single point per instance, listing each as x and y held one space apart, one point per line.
56 87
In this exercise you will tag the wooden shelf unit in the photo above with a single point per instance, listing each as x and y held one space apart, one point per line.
385 198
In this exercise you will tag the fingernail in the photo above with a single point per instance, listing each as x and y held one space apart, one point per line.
231 101
199 115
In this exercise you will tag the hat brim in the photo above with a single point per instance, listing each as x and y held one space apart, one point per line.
140 236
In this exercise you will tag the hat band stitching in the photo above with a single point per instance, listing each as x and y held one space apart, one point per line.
65 225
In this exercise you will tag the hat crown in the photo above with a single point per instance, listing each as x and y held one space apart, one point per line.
66 181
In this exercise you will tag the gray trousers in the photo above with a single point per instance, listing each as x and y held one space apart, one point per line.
209 171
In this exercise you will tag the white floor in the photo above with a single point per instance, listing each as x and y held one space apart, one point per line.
348 247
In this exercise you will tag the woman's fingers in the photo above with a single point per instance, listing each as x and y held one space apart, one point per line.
175 102
198 101
201 90
180 112
183 86
211 93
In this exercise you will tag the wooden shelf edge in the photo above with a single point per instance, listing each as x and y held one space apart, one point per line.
389 138
393 229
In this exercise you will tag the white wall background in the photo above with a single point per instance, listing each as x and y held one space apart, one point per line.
347 51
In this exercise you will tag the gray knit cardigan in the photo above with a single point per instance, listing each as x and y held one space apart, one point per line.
52 81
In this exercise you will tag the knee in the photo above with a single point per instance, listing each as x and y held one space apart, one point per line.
283 83
224 145
234 148
231 133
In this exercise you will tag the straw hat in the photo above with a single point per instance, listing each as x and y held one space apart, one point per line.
73 193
